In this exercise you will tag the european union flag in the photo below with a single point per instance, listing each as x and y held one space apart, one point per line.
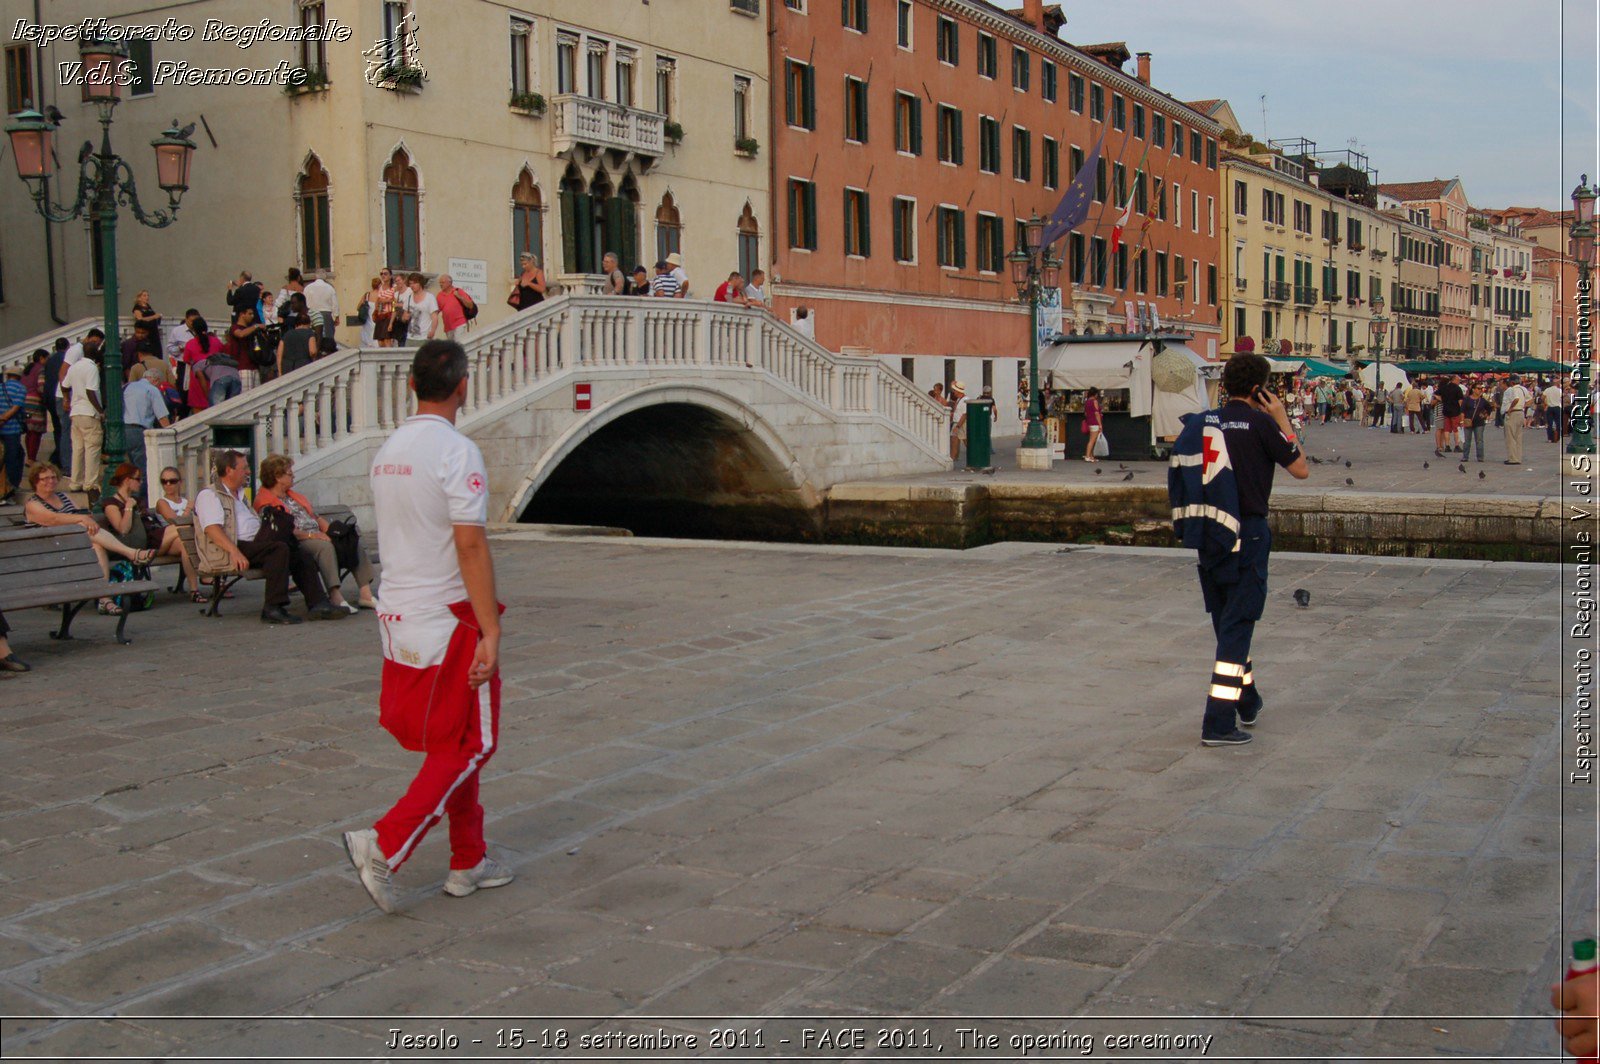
1074 205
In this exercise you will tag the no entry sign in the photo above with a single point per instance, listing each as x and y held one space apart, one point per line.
582 397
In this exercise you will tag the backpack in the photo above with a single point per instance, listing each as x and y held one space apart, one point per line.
218 356
469 307
124 571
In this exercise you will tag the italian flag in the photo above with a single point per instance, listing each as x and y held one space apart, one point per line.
1122 223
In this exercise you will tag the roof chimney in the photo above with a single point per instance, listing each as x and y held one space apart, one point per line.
1033 14
1144 67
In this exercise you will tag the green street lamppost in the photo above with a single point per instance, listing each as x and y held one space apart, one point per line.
1582 439
1378 326
1033 269
104 181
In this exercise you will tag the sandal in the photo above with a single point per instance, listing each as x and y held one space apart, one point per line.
199 597
109 608
144 557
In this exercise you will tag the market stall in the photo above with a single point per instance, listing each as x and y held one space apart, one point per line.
1147 383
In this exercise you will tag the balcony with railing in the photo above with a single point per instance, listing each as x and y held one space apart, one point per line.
1275 291
1305 295
588 122
1241 283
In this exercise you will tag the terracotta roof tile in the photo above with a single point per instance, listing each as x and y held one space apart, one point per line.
1413 191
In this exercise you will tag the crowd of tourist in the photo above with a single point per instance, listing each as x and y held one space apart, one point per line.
1456 409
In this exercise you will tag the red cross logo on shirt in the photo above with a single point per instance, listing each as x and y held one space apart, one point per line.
1214 448
475 483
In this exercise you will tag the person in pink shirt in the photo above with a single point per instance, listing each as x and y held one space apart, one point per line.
454 304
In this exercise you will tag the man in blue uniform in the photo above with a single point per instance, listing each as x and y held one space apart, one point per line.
1236 450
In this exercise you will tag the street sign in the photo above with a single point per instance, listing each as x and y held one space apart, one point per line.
582 398
473 275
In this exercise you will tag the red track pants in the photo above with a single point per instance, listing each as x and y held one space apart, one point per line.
427 705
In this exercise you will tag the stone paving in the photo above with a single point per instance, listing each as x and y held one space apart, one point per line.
769 780
1379 462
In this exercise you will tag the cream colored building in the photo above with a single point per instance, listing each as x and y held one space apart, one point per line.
542 125
1301 262
1542 329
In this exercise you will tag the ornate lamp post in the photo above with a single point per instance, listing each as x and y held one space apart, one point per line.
1582 439
1377 326
104 181
1034 268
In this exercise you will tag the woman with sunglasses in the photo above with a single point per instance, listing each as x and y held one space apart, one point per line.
381 299
50 508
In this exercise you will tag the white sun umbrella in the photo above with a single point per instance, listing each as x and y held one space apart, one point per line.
1392 375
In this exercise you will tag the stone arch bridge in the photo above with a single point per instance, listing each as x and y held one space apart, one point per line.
653 414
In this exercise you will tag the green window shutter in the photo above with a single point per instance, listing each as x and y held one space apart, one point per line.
629 249
866 225
811 215
394 244
790 86
961 239
916 126
324 237
308 228
794 218
897 223
569 230
862 110
849 221
583 211
810 75
956 153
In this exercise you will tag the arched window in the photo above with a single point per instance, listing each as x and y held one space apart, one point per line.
749 242
527 220
312 192
401 213
622 224
669 228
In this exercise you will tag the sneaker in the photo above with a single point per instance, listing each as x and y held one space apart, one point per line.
1248 717
371 865
1234 738
488 873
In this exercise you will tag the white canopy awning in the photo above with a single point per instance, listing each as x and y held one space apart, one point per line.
1287 365
1126 364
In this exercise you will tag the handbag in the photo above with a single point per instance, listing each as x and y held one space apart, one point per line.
276 524
124 571
1102 449
346 539
514 300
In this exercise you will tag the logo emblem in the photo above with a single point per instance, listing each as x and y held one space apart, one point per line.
476 484
1214 446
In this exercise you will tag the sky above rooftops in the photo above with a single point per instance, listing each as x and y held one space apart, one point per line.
1425 88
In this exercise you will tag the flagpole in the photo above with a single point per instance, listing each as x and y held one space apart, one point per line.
1144 231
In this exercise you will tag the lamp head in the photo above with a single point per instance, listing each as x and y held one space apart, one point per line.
1050 272
174 151
1019 269
104 68
1034 230
30 134
1583 198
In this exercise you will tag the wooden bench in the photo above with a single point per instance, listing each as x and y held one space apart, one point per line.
220 581
57 567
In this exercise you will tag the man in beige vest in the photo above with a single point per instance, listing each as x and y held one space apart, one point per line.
226 541
1514 405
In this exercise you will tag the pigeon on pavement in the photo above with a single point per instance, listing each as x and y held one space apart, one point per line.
1461 466
1347 480
1097 472
1347 463
1424 465
1128 477
1302 597
1482 475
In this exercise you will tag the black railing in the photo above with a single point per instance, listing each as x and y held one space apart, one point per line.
1275 291
1304 295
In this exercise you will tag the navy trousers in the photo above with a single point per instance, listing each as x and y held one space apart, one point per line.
1235 600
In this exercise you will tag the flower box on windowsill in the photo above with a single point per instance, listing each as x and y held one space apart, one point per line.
401 78
303 81
746 147
531 104
672 132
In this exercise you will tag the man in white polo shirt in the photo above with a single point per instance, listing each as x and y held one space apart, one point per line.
440 625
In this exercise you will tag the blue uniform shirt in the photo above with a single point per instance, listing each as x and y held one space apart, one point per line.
142 404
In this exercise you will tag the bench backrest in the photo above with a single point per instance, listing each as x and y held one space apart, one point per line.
34 558
186 533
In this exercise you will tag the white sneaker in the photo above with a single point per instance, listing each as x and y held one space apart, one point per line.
488 873
371 865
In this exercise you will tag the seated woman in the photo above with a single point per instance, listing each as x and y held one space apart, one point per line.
125 514
49 508
277 489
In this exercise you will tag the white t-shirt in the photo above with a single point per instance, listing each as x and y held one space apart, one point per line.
426 479
681 277
755 294
208 512
423 308
83 378
73 354
1516 396
1552 396
958 412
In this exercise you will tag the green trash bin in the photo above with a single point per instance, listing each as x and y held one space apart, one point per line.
980 446
241 438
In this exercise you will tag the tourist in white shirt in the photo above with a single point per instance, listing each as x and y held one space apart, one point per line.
675 261
1554 415
420 309
1514 404
440 622
323 299
755 293
82 384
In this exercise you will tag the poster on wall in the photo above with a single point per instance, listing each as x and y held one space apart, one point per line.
1049 321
